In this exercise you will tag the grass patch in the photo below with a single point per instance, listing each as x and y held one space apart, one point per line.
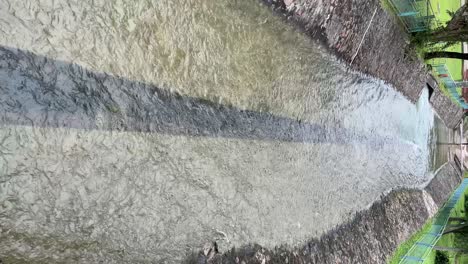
405 246
430 258
440 8
453 65
452 239
448 240
459 209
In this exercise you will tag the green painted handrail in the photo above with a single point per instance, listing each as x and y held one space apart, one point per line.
422 248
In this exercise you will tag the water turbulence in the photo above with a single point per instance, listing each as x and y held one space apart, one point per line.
138 131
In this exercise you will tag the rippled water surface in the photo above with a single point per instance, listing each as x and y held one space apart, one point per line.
135 131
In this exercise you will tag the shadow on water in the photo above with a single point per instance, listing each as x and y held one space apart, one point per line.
43 92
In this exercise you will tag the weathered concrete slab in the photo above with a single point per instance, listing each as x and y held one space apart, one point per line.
447 110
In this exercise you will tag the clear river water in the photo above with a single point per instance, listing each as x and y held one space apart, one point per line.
138 131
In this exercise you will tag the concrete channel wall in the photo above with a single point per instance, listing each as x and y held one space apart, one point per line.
383 52
342 27
447 110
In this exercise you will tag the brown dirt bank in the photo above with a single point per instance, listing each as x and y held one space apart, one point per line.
371 237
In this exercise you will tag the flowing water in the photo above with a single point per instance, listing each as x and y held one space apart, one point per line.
137 131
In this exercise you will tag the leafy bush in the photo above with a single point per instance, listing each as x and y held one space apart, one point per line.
466 202
441 258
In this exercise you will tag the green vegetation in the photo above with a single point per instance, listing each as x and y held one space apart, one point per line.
452 240
431 258
442 87
440 8
441 258
386 5
403 248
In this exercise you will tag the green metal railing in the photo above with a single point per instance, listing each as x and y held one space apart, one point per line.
444 76
416 15
422 248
